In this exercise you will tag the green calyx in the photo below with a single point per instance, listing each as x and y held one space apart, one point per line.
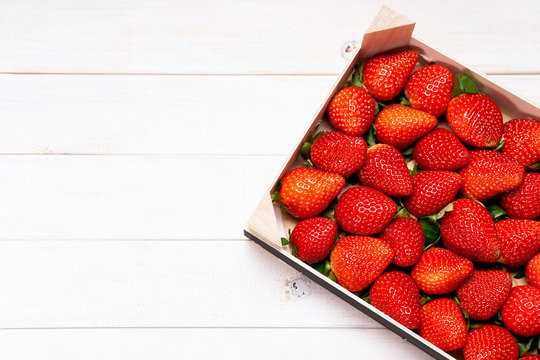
463 85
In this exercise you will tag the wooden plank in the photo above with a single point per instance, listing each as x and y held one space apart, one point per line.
168 114
262 37
89 284
130 197
144 344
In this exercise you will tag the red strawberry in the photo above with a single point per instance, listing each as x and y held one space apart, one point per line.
469 230
531 357
406 237
352 111
430 89
339 153
476 120
491 342
443 325
490 173
357 261
306 192
440 150
385 75
432 191
484 292
364 211
519 240
521 312
313 239
440 271
523 202
522 141
396 295
400 126
532 271
386 170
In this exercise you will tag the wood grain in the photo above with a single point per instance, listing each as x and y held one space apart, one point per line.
247 37
159 344
252 115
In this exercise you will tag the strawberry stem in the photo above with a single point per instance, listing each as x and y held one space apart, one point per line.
500 146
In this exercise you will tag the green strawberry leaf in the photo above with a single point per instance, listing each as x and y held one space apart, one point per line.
284 241
496 212
308 163
415 170
322 132
276 199
424 299
323 267
402 213
305 149
500 146
357 80
370 136
524 347
463 85
535 167
520 275
431 230
332 276
403 101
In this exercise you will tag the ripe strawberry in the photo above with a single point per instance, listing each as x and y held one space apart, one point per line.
352 111
364 211
490 173
430 89
523 202
443 325
522 141
440 150
484 292
385 75
406 237
519 240
306 192
339 153
440 271
400 126
469 231
432 191
532 271
476 120
491 342
521 312
313 238
531 357
386 170
357 261
396 294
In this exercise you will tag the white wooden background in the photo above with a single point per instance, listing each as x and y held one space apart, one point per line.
137 136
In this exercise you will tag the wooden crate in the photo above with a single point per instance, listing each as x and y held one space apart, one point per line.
267 225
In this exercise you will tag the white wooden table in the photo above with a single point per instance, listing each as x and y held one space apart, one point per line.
137 136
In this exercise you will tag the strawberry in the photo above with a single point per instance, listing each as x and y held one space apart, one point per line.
443 324
352 111
531 357
432 191
386 74
440 271
364 211
396 294
532 271
339 153
406 237
469 231
521 312
484 292
313 238
522 141
476 120
489 173
491 342
357 261
306 192
430 89
519 240
386 170
523 202
400 126
440 150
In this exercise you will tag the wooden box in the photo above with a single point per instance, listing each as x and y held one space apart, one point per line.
267 224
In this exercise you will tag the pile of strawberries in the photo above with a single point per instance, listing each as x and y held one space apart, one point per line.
431 226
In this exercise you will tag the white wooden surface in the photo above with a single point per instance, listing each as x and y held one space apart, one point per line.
137 136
